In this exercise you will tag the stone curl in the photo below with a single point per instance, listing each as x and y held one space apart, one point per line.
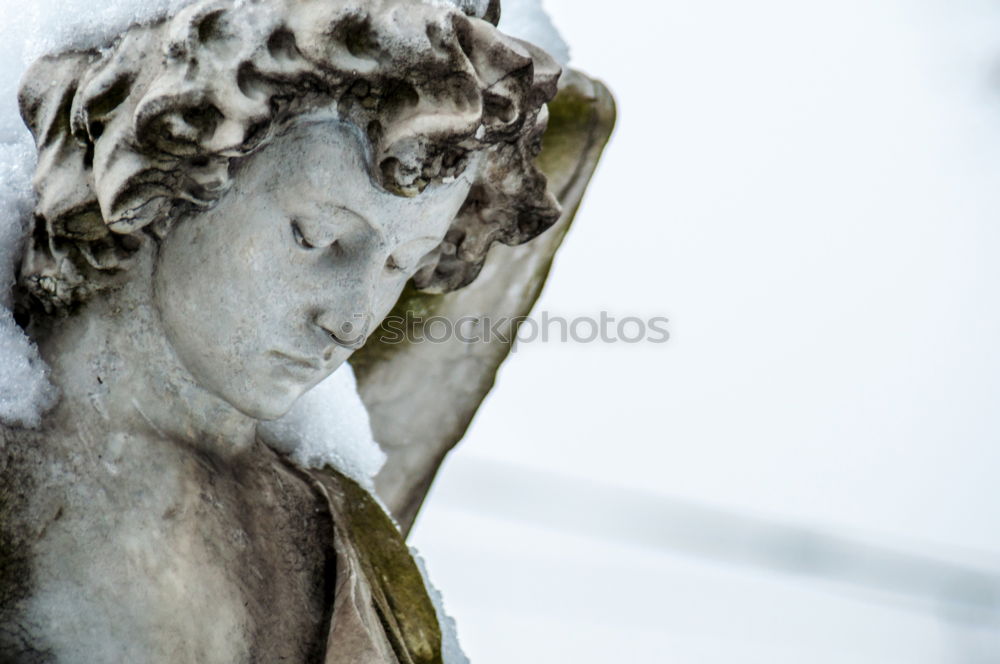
132 137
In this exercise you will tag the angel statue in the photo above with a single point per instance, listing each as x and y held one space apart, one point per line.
228 202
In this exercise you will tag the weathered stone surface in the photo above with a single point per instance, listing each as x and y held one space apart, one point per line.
229 202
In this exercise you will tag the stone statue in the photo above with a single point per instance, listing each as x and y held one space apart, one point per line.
229 202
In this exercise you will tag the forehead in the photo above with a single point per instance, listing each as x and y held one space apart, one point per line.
318 169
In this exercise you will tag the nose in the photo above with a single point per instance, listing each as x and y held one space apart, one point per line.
349 332
346 313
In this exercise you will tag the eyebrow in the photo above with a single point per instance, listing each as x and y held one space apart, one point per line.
324 213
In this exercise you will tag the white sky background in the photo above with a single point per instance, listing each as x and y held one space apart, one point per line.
808 190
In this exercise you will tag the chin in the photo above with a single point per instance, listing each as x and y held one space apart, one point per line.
271 404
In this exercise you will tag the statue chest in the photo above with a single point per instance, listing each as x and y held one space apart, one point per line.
179 557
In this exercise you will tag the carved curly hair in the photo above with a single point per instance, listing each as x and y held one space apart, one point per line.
135 136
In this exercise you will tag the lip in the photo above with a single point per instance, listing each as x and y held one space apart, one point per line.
296 362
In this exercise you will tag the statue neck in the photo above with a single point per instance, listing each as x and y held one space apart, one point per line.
116 370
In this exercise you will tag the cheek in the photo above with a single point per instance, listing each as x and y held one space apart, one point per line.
191 303
387 295
263 287
209 290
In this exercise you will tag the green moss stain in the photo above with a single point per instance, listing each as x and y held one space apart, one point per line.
401 598
571 116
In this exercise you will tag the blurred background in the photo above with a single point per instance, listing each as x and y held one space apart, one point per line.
810 470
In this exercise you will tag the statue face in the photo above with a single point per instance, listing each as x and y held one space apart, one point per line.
266 294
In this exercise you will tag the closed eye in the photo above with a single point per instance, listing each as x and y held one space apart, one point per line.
300 239
393 265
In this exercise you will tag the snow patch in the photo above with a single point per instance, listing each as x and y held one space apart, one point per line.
329 425
25 390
